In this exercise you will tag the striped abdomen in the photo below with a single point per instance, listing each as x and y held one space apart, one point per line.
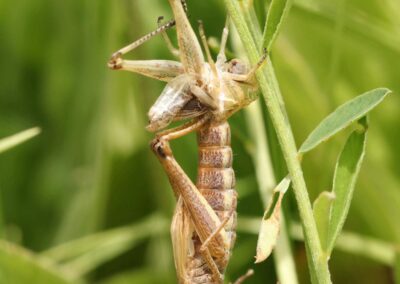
216 182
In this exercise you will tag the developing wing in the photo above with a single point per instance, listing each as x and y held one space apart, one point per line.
173 98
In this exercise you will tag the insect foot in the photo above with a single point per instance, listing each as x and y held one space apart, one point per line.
161 148
115 61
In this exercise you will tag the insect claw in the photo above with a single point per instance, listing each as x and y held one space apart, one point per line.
160 147
263 57
265 51
115 61
264 54
159 19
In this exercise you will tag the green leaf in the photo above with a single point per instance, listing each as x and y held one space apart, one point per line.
270 224
16 139
277 13
18 265
86 254
321 210
141 275
353 243
343 116
346 173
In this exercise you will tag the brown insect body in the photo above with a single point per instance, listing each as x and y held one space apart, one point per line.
216 182
208 93
216 187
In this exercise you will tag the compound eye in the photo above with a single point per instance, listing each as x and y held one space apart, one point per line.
237 66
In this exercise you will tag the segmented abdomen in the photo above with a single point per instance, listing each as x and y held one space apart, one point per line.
216 182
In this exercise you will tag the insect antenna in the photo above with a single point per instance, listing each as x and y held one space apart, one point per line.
143 39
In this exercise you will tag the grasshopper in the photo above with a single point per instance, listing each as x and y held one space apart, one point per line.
206 93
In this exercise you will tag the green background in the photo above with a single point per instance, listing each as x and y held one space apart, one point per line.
91 170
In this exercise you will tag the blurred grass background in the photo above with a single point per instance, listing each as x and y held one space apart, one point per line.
91 177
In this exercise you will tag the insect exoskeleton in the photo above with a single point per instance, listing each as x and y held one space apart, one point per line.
206 93
188 96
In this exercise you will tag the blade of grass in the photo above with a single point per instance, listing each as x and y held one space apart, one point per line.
7 144
346 173
85 254
277 13
358 24
250 17
19 138
343 116
141 275
18 265
372 248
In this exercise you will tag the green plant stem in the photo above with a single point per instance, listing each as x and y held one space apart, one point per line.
273 99
283 257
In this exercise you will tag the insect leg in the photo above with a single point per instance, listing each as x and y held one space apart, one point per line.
174 133
171 47
160 146
203 97
190 51
184 5
221 58
163 70
115 59
250 75
218 277
204 218
204 245
242 278
206 48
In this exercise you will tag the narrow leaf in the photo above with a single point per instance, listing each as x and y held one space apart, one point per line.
18 265
353 243
142 275
321 209
270 224
343 116
16 139
86 254
276 15
346 173
397 268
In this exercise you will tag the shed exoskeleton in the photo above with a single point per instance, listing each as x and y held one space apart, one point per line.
206 93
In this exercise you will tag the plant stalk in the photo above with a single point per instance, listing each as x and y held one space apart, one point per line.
273 100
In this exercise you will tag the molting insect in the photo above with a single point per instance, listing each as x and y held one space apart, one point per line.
206 93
